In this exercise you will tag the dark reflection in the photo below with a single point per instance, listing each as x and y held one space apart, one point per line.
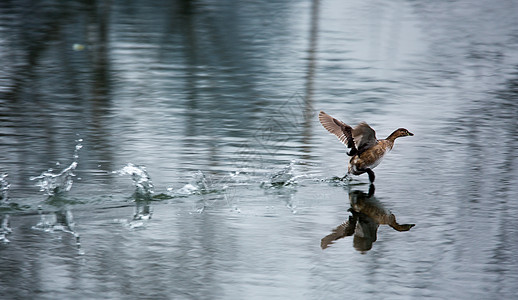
99 87
308 110
367 213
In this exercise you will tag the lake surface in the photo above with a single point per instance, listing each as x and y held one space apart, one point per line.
187 160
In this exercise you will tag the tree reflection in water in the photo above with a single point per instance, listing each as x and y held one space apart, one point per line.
367 213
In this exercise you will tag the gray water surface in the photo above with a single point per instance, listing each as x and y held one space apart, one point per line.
193 165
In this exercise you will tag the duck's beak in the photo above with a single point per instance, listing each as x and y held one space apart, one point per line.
410 134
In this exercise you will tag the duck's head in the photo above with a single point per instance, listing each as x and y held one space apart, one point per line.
403 132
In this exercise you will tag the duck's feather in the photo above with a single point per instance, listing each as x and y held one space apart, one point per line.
342 131
364 137
361 138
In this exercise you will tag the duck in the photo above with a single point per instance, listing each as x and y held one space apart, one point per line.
367 213
367 151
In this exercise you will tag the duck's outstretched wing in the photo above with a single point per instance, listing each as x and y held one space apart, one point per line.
364 137
345 229
343 131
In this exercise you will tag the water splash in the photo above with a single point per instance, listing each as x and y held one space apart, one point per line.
212 189
284 177
144 188
77 148
200 184
56 183
4 189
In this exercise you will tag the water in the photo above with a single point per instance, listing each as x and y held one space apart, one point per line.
144 188
187 161
54 184
5 230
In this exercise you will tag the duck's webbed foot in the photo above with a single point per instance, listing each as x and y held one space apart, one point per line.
371 175
346 177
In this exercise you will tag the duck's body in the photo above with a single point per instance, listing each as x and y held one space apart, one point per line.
366 150
369 159
367 214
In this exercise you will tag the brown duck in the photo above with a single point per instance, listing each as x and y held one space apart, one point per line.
367 213
366 150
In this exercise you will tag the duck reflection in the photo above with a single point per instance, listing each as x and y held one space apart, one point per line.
367 213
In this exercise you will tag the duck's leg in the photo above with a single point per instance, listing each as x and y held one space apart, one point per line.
346 176
371 175
372 189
